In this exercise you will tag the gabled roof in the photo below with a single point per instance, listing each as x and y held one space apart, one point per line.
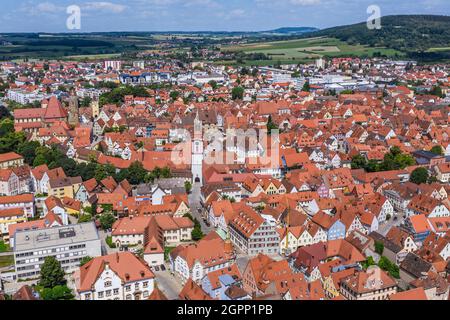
157 294
192 291
125 265
54 110
209 252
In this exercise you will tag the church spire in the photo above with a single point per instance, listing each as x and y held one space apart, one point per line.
197 127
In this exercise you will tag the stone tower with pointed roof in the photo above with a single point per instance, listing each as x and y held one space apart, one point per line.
197 151
74 113
95 106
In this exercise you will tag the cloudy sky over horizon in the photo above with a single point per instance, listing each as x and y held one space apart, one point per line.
200 15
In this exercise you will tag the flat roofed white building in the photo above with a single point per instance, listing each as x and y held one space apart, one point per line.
68 244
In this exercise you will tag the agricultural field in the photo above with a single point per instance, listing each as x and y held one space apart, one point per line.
93 56
441 49
299 51
32 46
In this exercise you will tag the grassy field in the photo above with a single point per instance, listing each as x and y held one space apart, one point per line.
6 261
75 46
441 49
94 56
299 51
4 247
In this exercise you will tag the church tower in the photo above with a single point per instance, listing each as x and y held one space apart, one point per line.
74 113
95 108
197 151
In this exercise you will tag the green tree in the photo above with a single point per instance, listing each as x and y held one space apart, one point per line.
369 262
188 186
3 246
437 150
197 234
85 218
110 243
271 125
104 171
306 87
390 267
4 113
86 102
437 91
174 95
213 84
39 160
166 173
419 176
396 160
28 151
237 93
6 126
52 274
116 96
379 247
10 141
107 220
359 162
60 292
85 260
135 174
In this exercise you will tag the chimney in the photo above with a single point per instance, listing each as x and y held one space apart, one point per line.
117 257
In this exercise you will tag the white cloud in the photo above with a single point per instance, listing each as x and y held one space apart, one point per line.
237 13
41 8
202 3
48 7
104 6
286 3
305 2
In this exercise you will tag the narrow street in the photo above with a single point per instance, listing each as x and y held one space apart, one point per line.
195 205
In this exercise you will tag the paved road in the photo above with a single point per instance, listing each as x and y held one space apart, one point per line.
13 287
195 205
168 284
105 248
97 140
384 228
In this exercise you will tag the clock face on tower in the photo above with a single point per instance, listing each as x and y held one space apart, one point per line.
198 147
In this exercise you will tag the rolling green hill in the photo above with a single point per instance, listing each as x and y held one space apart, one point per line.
292 30
416 35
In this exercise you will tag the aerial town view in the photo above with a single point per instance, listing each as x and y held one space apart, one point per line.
224 150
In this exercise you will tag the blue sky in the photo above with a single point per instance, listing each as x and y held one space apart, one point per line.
190 15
